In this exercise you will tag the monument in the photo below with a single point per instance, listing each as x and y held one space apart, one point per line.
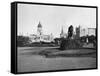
70 42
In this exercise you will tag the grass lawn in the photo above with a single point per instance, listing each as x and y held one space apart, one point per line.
51 58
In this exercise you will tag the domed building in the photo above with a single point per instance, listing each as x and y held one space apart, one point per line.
40 37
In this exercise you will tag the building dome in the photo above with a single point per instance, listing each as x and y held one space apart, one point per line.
39 25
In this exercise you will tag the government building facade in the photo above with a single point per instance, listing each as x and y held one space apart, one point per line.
40 36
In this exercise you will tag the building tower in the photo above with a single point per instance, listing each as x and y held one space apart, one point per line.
39 29
77 32
62 33
39 32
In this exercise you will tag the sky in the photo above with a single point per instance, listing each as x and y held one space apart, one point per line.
53 18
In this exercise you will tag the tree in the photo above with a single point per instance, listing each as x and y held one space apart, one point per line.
22 40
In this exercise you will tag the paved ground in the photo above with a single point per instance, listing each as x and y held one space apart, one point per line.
50 58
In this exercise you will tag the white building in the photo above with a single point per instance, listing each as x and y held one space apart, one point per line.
87 31
40 37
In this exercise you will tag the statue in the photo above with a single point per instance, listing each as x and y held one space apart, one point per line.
70 32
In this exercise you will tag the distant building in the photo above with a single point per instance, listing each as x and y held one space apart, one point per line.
63 34
92 31
77 32
39 29
85 31
40 37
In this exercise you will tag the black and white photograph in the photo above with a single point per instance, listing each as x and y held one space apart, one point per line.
54 37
